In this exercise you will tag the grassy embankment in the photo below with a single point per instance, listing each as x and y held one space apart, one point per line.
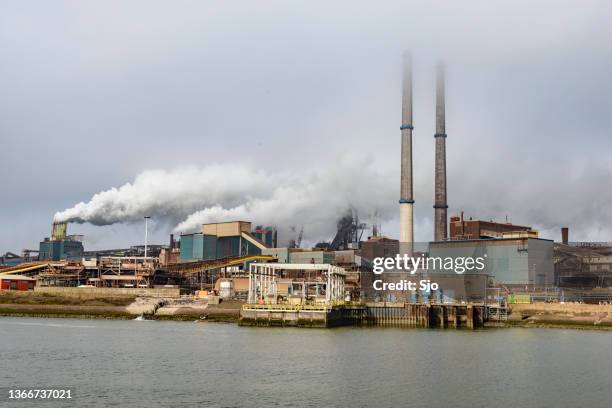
33 304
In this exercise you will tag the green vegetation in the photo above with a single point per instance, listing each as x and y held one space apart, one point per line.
80 314
33 298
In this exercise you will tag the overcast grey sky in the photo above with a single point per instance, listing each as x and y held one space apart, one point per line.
94 93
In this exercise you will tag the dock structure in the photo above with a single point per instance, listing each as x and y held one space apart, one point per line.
406 315
305 295
443 316
314 297
328 284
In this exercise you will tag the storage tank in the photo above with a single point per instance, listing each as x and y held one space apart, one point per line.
226 289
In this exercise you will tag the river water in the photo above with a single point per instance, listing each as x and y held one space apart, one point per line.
180 364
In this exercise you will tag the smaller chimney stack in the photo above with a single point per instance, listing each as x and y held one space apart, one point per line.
565 235
58 232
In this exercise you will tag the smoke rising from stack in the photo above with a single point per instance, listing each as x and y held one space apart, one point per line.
170 194
189 197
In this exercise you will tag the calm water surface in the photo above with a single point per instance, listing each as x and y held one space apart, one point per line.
179 364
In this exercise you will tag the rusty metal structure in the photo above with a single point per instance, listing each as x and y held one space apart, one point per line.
203 274
583 265
462 229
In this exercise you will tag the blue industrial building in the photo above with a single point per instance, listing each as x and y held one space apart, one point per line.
61 246
221 240
59 250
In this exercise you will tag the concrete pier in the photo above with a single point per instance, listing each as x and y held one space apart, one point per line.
379 314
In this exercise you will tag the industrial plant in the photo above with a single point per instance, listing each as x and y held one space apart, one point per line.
331 283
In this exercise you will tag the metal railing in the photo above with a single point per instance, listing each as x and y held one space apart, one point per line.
301 306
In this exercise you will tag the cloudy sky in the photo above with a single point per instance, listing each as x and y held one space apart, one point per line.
300 101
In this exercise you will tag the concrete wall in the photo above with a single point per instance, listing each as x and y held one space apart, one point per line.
306 257
226 229
282 254
301 318
85 293
541 267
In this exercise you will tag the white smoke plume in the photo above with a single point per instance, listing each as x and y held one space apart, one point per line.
192 196
170 195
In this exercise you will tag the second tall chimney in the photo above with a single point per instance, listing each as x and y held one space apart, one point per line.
440 205
406 201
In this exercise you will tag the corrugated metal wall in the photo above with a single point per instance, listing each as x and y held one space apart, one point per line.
228 246
186 245
210 247
198 246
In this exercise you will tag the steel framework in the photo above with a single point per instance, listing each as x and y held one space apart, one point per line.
263 280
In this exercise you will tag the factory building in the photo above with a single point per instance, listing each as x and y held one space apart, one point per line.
169 256
61 246
461 229
16 282
379 247
300 255
220 240
267 235
358 269
312 257
10 259
66 249
585 265
508 261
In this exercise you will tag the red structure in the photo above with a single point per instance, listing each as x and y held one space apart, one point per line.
461 229
16 282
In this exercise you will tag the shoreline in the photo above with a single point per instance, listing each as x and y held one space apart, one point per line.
232 316
116 313
31 304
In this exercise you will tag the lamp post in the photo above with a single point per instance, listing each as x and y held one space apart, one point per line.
146 218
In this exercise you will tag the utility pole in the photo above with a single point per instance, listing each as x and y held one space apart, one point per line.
146 218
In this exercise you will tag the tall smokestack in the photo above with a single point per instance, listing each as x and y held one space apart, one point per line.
440 206
406 199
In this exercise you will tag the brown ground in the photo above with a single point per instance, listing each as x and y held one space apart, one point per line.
227 311
561 315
